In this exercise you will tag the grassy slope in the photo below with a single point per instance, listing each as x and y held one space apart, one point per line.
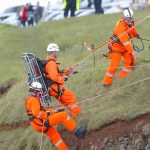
69 34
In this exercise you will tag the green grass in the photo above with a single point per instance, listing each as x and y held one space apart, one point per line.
69 34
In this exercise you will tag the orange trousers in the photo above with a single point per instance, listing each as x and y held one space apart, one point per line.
115 59
52 133
67 99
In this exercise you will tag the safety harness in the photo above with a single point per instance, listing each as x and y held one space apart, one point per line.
32 117
113 39
49 82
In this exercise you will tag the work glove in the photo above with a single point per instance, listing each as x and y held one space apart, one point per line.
66 78
75 71
136 48
138 36
68 71
60 109
46 123
48 113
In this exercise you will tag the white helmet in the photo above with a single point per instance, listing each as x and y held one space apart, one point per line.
128 13
36 86
52 47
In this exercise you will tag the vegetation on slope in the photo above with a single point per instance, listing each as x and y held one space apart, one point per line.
69 34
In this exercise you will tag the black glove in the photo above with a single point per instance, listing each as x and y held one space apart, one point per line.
138 36
46 123
65 78
48 113
76 71
60 109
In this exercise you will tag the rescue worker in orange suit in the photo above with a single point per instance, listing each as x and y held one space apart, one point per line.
57 79
44 121
120 46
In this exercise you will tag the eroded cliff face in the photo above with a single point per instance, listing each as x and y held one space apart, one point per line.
119 135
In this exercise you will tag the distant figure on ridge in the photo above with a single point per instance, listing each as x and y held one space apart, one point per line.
71 5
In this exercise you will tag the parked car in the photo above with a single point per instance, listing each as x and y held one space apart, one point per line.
107 4
53 15
9 16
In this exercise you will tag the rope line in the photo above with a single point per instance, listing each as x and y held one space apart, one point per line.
94 97
125 86
97 69
45 143
110 42
104 44
95 50
41 137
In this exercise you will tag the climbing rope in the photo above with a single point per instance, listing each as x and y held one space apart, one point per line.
100 95
45 143
97 69
125 86
95 50
145 39
41 141
110 42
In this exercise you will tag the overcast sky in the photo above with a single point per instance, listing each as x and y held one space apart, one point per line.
7 3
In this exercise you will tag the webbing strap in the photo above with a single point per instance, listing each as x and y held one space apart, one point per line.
115 51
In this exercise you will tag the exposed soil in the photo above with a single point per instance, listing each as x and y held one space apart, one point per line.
5 87
14 125
112 130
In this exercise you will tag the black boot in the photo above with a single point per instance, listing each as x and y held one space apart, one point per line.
80 132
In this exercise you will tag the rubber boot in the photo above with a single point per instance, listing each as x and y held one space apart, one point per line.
80 132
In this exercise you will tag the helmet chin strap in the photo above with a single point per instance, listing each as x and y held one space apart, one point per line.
34 93
128 22
53 54
129 12
37 94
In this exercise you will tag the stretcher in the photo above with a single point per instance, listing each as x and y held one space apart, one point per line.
34 73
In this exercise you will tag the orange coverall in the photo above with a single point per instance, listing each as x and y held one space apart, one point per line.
34 109
121 48
67 98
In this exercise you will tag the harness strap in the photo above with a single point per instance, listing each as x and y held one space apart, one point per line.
115 51
115 38
31 117
46 123
50 82
59 92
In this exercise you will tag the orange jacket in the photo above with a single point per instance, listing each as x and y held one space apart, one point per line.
33 107
37 115
125 36
52 71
